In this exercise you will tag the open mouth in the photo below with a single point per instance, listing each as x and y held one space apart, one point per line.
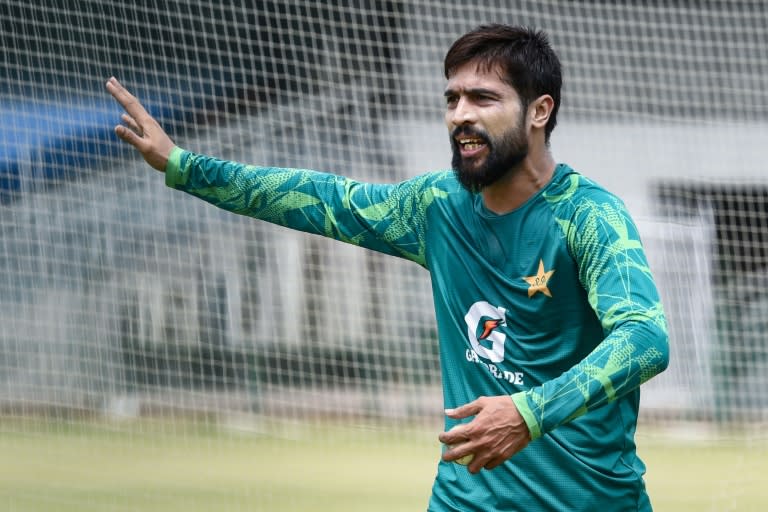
470 146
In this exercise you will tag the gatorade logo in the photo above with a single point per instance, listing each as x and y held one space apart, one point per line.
483 321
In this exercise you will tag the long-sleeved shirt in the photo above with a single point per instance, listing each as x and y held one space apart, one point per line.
553 303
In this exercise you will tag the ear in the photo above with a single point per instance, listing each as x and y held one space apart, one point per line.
540 109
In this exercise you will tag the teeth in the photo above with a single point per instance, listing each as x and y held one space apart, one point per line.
471 144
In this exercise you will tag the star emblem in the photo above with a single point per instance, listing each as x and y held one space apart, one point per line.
538 283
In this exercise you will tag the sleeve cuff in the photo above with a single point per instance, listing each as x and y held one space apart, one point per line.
521 401
173 174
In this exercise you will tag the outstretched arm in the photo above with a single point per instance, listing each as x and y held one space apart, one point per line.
388 218
140 129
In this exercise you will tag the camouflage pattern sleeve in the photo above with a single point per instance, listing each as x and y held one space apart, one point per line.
386 218
615 273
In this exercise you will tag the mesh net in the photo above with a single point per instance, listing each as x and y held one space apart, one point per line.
140 323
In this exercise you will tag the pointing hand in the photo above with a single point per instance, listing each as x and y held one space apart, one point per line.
140 129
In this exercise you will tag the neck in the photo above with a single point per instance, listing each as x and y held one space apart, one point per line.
519 184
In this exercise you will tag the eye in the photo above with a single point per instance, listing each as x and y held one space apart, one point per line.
451 99
484 99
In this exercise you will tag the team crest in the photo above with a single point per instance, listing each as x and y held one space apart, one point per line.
538 283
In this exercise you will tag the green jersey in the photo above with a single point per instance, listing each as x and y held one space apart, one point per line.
552 303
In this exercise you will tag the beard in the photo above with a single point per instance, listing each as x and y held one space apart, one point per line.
504 154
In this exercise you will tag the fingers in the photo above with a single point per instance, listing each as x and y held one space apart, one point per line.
464 411
461 453
481 456
457 434
126 99
128 136
458 449
496 433
133 133
120 93
132 124
140 129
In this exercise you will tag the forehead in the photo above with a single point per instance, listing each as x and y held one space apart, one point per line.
473 75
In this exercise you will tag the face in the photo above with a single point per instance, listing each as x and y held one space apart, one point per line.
486 122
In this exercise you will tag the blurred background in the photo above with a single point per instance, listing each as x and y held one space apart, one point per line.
158 353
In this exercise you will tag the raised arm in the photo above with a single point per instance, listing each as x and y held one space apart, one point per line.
388 218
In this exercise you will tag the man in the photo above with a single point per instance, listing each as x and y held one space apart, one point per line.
548 316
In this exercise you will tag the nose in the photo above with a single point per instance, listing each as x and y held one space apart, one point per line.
462 113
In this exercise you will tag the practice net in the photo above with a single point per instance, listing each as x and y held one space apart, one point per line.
138 324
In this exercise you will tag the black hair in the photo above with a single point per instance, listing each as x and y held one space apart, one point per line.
523 56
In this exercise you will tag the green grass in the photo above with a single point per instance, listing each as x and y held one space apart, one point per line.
706 475
168 467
